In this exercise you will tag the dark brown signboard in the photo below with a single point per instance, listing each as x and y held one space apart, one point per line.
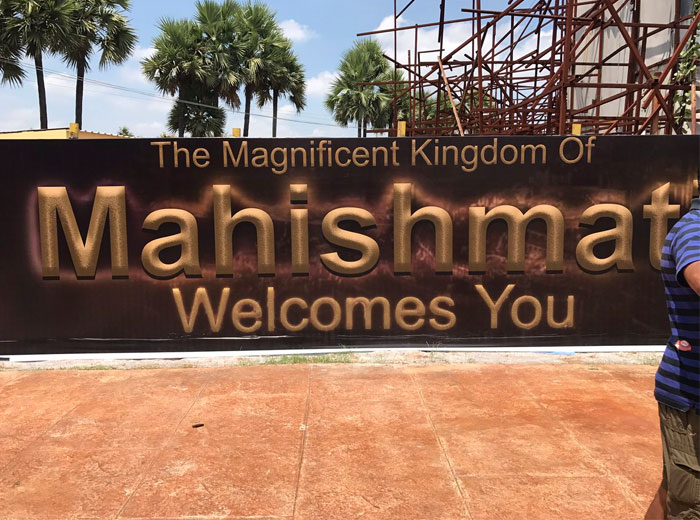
172 245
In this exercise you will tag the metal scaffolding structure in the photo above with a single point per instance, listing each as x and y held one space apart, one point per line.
543 67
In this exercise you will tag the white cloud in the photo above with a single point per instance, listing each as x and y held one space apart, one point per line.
297 32
152 129
286 111
292 124
131 72
19 119
333 131
60 86
320 85
454 35
141 53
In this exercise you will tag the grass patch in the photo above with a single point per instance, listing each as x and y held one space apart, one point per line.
100 367
302 359
89 367
650 359
92 367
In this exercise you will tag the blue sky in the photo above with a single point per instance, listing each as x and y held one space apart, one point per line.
320 29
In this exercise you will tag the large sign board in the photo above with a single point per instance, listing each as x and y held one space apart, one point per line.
235 244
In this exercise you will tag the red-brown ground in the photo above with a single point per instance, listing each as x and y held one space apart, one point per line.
331 442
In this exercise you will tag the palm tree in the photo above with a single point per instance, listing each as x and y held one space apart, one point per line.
391 88
198 61
287 78
342 104
217 23
261 39
201 116
41 26
351 99
177 63
10 49
101 24
426 109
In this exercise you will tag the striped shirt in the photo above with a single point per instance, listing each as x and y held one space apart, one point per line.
678 377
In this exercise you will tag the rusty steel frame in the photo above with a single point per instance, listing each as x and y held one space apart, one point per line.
492 84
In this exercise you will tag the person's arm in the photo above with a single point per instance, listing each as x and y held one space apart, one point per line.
692 276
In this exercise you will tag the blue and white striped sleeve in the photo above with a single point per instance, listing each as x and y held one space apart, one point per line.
686 249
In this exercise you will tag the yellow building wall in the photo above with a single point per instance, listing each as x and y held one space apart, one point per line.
55 133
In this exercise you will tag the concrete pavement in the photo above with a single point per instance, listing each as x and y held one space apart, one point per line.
328 442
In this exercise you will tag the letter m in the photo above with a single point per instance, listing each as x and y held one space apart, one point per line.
55 206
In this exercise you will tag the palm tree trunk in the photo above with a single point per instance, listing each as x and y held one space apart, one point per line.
180 116
43 113
359 129
364 128
275 96
79 86
248 102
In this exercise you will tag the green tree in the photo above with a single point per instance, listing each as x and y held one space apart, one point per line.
217 23
261 40
198 60
125 132
10 49
41 26
286 78
201 116
686 74
351 99
392 87
101 25
177 65
427 106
